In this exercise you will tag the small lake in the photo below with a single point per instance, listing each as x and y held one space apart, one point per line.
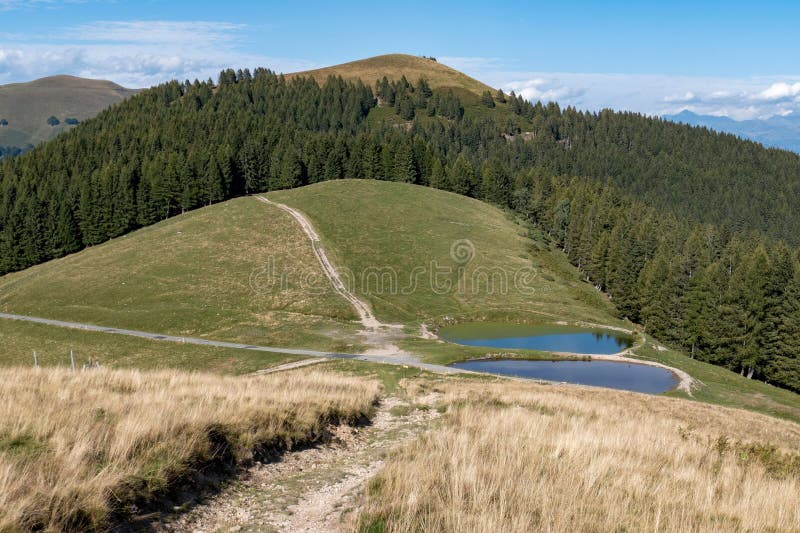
622 376
548 338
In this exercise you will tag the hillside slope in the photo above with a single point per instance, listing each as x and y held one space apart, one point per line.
240 271
418 254
393 66
27 106
244 270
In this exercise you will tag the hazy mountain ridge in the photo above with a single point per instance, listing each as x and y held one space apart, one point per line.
776 132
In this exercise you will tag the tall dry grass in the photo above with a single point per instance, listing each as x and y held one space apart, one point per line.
517 457
76 448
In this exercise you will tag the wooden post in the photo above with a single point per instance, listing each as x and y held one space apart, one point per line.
72 360
35 360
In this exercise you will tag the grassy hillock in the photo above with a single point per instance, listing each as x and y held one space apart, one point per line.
394 66
243 270
394 239
27 106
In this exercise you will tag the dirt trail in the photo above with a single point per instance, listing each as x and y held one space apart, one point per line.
362 308
378 335
289 366
315 489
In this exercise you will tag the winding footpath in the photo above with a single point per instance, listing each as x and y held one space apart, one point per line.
362 308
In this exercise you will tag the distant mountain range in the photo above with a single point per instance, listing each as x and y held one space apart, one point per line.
777 132
39 110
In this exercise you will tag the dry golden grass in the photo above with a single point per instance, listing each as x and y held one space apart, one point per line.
517 457
76 448
393 66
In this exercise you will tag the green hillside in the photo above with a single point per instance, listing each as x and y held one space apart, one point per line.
27 106
208 273
203 274
393 237
244 271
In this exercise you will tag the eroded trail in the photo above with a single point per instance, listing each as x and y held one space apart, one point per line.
381 337
316 489
362 308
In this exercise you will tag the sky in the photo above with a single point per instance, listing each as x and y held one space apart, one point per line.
734 58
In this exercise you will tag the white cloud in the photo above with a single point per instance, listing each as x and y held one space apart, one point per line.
138 53
779 91
158 32
546 90
689 96
7 5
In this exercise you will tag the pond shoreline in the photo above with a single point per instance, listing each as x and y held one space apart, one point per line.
684 382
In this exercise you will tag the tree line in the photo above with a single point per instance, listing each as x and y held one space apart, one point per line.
656 216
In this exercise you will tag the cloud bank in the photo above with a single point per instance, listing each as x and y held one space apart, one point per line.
136 53
652 94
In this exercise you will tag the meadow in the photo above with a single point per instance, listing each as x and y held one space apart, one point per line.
238 271
523 457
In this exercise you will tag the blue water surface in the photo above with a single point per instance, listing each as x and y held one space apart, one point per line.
612 375
580 343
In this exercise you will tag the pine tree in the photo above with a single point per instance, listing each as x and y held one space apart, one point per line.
404 169
462 176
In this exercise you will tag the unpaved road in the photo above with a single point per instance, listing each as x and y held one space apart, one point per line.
313 490
399 359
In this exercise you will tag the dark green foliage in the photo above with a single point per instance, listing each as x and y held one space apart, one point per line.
682 227
487 100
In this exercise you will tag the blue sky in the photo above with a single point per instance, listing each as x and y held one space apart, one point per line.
731 58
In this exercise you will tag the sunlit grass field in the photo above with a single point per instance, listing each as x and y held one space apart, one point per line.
400 244
79 450
523 457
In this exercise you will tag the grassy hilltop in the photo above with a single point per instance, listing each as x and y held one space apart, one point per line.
244 271
394 66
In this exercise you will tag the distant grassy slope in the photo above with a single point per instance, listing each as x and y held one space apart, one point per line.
393 66
206 273
27 106
405 234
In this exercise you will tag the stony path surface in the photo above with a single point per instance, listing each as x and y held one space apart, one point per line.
316 489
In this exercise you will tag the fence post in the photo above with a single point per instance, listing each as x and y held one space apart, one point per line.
35 360
72 360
